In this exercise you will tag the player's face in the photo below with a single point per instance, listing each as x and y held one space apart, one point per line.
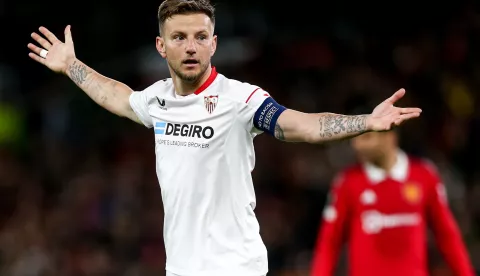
370 146
188 43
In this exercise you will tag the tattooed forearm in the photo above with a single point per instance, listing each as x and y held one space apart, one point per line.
108 93
336 126
279 133
78 72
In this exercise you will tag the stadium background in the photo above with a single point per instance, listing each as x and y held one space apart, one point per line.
78 191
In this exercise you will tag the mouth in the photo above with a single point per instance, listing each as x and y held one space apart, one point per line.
190 61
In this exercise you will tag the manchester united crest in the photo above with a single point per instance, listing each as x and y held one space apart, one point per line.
210 103
412 192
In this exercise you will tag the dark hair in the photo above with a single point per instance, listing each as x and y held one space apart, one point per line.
170 8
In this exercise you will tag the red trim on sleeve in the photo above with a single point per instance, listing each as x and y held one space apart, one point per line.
208 82
248 99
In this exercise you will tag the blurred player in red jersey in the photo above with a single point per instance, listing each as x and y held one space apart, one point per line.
382 208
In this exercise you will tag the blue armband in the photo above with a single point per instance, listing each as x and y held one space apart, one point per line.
267 114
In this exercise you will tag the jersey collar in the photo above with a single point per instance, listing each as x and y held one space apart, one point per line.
208 82
398 172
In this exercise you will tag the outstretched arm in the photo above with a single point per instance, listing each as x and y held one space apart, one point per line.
295 126
60 57
108 93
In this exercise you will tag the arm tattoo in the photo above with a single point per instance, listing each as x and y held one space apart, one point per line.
332 125
279 132
78 73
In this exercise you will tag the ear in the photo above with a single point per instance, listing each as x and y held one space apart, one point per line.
160 44
214 46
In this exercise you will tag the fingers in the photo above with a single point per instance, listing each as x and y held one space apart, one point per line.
42 41
396 96
37 58
405 117
49 35
35 54
408 110
34 48
68 35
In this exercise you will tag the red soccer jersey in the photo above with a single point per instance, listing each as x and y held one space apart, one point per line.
384 218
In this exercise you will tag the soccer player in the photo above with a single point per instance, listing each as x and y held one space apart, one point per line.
381 207
204 125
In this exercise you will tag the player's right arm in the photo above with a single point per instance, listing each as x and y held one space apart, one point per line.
108 93
332 230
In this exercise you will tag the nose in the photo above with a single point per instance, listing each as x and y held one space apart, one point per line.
191 47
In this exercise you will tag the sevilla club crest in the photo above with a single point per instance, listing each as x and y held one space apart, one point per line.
210 103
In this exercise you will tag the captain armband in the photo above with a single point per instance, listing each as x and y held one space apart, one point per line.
267 115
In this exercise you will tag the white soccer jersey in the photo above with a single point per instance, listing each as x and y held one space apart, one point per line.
204 158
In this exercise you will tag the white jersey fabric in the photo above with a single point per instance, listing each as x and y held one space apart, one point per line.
204 158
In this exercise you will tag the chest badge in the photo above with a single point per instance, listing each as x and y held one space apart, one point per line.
368 197
411 192
210 103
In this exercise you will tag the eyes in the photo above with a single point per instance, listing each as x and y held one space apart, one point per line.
179 37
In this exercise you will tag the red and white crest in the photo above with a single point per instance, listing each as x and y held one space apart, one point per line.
210 103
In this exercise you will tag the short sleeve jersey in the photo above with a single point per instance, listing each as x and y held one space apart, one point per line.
204 158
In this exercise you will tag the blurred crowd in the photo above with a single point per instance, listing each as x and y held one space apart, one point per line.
79 194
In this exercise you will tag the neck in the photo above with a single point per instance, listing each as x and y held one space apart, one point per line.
387 160
184 88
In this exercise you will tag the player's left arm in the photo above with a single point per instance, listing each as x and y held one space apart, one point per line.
447 234
295 126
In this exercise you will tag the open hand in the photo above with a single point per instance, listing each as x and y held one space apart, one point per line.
59 53
386 115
